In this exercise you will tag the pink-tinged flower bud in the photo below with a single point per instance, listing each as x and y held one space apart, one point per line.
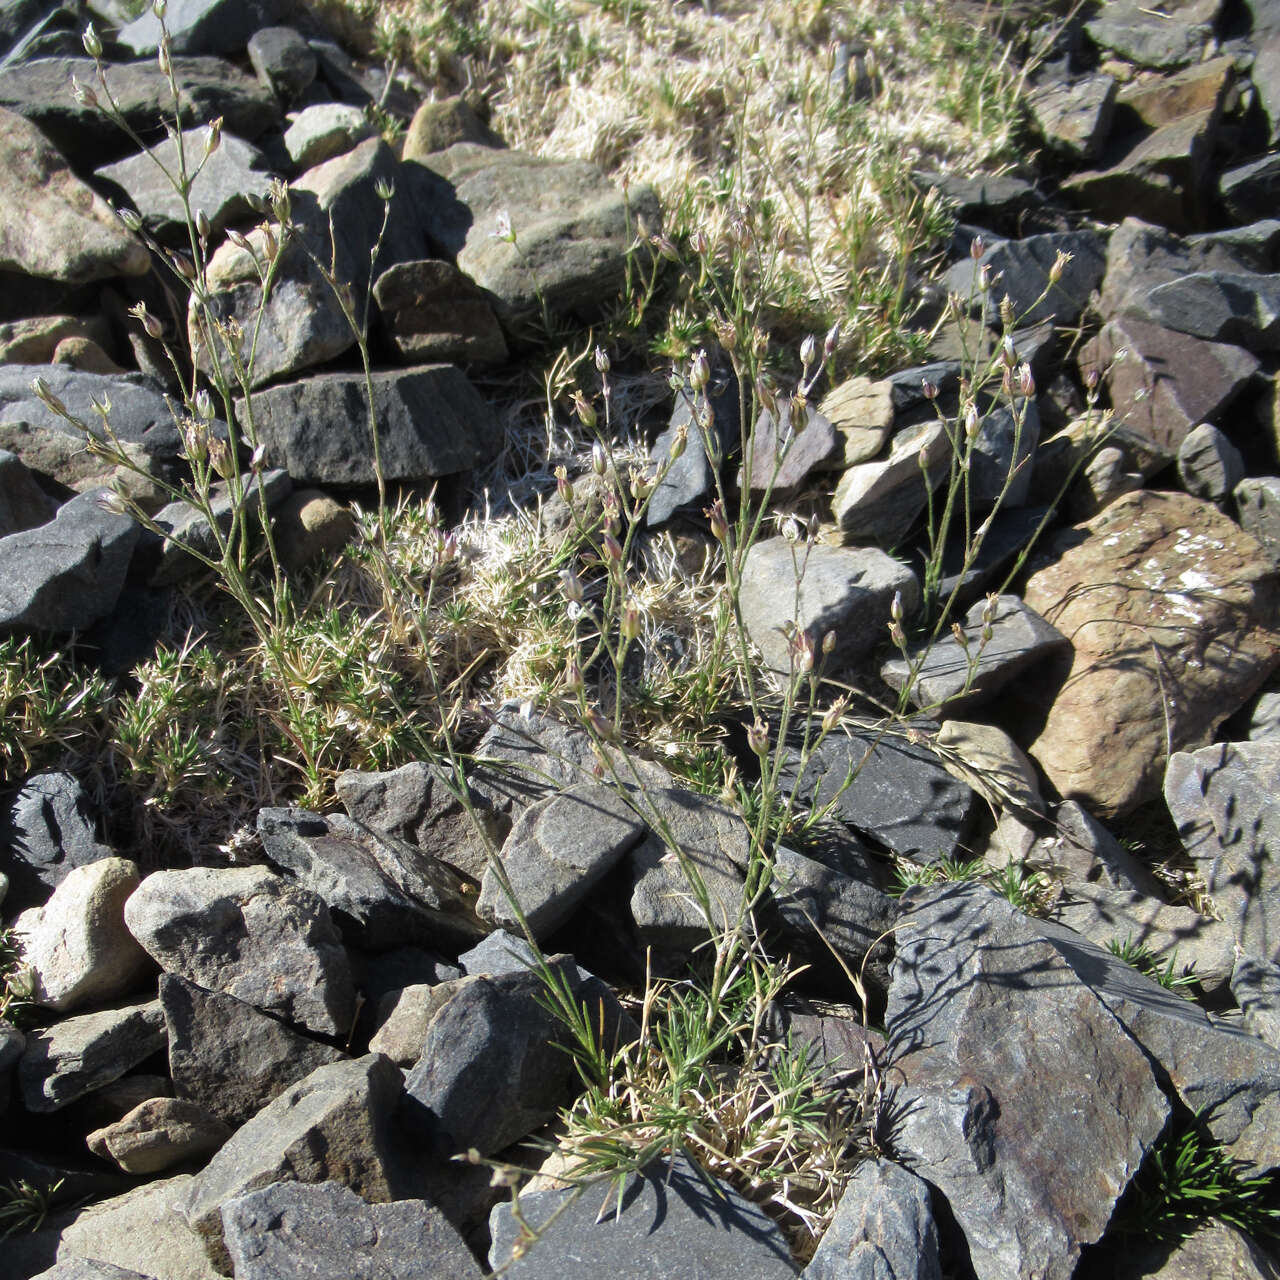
220 457
1091 379
602 361
586 414
599 459
897 635
715 515
1008 352
808 350
183 265
213 139
1006 381
449 546
599 727
571 584
758 738
612 549
629 623
563 487
204 228
240 240
1026 381
573 681
83 94
431 514
834 713
977 247
699 370
895 607
961 638
801 646
971 422
92 42
831 341
984 277
151 324
679 442
928 389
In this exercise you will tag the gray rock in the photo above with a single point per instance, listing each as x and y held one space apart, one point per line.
1209 465
67 574
891 788
847 591
228 1057
1258 502
431 422
691 476
1264 722
88 138
51 224
336 1125
204 26
1250 191
76 945
1216 1249
12 1043
403 1018
1020 271
158 1134
882 499
960 677
692 864
492 1067
1255 984
1003 455
436 126
1265 73
968 969
1167 382
782 458
678 1219
187 528
245 931
292 1231
1124 27
220 189
47 832
980 196
1080 849
23 504
558 850
1229 1076
1222 307
1226 802
862 412
883 1229
418 804
325 130
89 1269
569 228
1074 117
497 954
1253 247
139 412
73 1057
383 892
283 61
434 313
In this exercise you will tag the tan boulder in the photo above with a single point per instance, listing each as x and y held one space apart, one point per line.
1169 607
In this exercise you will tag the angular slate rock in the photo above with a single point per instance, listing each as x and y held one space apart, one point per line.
23 504
47 832
383 892
492 1069
556 852
204 26
1258 503
882 499
73 1057
431 422
1250 191
1233 1078
1003 454
1216 1249
246 931
1209 465
1167 382
668 1215
1226 802
320 132
883 1229
417 804
1221 306
847 591
228 1057
1023 1098
210 88
434 313
324 1231
897 793
336 1125
67 574
962 676
76 945
783 458
220 189
497 954
1074 118
862 412
1255 984
1165 603
403 1017
89 1269
158 1134
1126 28
282 60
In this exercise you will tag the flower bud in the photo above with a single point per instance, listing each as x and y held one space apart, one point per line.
679 441
599 726
699 243
977 247
1026 381
586 414
258 457
131 219
47 398
833 714
563 487
599 459
767 394
204 228
220 457
1008 352
808 351
92 42
203 404
271 245
150 324
573 681
213 139
928 389
801 647
895 607
571 584
240 240
715 515
159 7
984 277
641 486
699 370
961 637
828 644
195 441
1059 265
629 623
612 549
183 265
758 738
385 190
971 422
163 60
1091 379
665 247
831 341
83 94
897 635
1006 311
602 361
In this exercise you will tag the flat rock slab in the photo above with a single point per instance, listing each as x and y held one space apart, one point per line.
1126 28
204 26
228 1057
1249 191
891 788
67 574
881 499
431 422
1221 306
1226 802
320 132
324 1231
246 931
557 851
959 676
1022 1097
1161 651
73 1057
1074 117
846 591
51 224
434 313
669 1215
333 1126
883 1227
